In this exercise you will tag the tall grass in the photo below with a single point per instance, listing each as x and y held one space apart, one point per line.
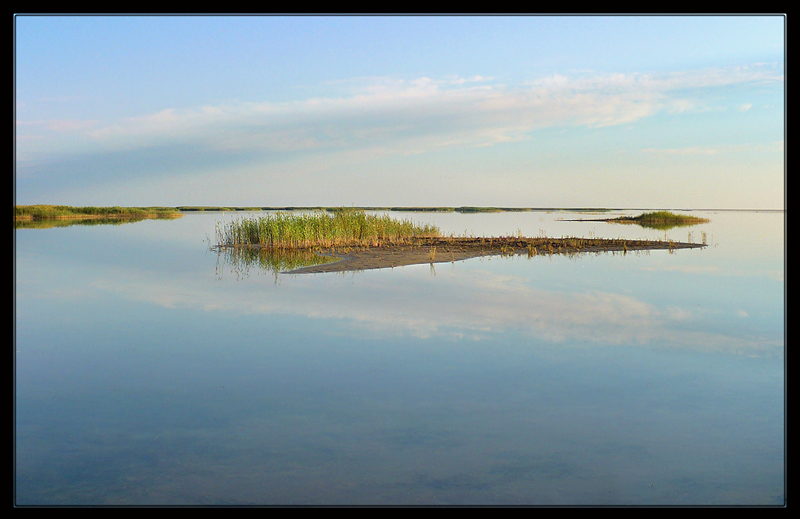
336 228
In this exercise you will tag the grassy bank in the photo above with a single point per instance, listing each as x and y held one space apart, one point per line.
329 229
55 212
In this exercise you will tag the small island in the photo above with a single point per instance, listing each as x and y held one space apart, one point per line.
349 240
654 220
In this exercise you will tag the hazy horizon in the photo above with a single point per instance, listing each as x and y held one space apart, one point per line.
399 111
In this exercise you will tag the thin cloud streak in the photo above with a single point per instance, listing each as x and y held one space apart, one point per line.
717 150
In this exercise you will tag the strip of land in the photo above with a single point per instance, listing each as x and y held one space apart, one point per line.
444 250
64 212
408 209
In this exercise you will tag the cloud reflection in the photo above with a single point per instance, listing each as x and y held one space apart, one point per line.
462 302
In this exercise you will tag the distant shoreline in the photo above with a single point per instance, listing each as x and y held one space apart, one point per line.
64 212
446 209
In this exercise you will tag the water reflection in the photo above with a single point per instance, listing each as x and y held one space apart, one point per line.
151 371
659 226
471 300
241 259
67 222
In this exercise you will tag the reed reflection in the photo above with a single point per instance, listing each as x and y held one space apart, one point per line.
49 224
241 260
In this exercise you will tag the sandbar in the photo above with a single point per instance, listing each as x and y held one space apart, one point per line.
451 249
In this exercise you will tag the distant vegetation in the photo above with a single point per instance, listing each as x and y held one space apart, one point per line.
437 209
350 220
660 220
55 212
323 229
189 208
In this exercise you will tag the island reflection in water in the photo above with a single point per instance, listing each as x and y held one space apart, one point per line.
469 300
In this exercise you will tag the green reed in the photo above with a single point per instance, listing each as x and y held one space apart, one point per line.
331 229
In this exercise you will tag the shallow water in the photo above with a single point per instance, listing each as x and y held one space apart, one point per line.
149 371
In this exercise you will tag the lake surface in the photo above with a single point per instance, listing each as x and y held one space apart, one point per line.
151 371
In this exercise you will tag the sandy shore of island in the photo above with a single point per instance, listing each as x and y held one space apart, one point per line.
443 250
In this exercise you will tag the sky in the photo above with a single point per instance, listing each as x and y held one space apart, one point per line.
510 111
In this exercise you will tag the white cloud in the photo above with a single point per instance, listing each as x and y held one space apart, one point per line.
425 113
365 119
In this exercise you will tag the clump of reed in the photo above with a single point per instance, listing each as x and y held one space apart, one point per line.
342 227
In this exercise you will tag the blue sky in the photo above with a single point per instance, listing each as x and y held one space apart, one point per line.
529 111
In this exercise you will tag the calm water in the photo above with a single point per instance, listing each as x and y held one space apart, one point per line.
151 372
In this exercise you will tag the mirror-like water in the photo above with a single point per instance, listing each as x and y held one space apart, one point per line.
151 371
